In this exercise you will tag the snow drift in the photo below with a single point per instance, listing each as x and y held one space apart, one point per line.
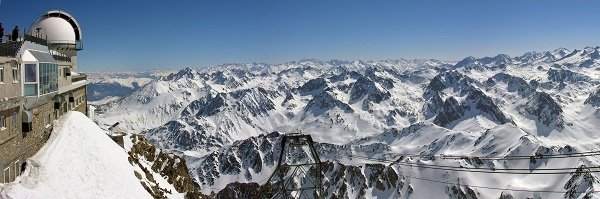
78 161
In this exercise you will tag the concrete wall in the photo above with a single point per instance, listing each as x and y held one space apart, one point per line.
10 88
62 80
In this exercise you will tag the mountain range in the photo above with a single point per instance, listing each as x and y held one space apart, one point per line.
227 122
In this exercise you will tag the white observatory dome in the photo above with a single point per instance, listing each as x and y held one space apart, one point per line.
57 27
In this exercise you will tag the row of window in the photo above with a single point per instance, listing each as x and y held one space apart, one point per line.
79 100
4 122
15 75
8 175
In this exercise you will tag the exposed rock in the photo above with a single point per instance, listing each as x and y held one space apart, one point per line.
452 110
581 180
365 87
594 98
545 110
323 102
313 85
563 75
515 84
172 167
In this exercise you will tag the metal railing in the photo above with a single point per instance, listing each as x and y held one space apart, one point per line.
61 58
34 39
10 49
78 77
65 44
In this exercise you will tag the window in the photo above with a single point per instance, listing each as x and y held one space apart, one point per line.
15 74
14 120
48 78
2 123
1 74
7 175
67 72
30 73
17 168
30 87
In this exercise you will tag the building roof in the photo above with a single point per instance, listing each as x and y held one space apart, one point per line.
38 56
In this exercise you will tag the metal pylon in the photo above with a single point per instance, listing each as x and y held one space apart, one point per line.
298 173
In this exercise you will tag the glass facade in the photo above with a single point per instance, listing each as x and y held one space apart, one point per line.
40 79
48 78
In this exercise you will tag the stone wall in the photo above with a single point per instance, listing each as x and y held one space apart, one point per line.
17 146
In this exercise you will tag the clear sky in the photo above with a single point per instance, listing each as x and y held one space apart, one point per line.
148 34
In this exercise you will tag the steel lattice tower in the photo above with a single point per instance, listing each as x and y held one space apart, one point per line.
298 173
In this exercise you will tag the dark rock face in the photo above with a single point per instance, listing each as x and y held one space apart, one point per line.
434 90
562 75
451 79
184 73
387 83
515 84
254 102
468 62
211 105
477 100
365 87
434 105
324 102
313 85
342 181
543 108
452 110
250 154
581 180
170 166
240 190
458 191
594 98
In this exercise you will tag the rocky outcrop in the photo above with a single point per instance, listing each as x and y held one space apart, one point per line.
480 103
515 84
451 111
542 107
323 102
562 76
341 181
594 98
313 85
476 103
365 87
581 183
171 167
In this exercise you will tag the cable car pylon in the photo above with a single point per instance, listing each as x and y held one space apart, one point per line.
298 173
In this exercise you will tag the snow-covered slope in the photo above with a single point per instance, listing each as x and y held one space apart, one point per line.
78 161
81 161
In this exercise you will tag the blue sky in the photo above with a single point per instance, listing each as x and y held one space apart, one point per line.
147 34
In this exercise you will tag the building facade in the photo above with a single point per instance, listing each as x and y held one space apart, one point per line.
38 83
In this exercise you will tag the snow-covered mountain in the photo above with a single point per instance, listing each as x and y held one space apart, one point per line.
222 118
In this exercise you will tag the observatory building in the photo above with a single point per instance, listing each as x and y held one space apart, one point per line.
38 83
